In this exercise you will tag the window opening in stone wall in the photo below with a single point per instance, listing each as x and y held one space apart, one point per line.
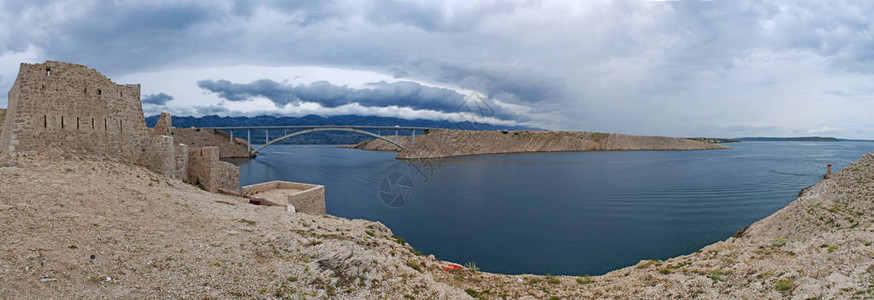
119 125
77 122
48 72
86 91
62 122
45 121
105 126
99 92
92 123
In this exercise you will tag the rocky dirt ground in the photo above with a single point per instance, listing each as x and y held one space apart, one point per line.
98 229
445 143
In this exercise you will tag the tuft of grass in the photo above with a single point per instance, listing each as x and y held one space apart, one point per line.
369 233
399 240
415 265
784 285
778 242
832 249
471 266
552 279
715 274
649 263
585 279
472 293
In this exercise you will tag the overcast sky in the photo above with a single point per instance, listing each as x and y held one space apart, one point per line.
677 68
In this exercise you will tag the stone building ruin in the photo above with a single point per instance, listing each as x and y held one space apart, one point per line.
69 110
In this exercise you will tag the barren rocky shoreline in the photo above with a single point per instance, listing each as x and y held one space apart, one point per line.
446 143
100 229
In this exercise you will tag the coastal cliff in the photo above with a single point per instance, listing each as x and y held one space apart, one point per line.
446 143
78 228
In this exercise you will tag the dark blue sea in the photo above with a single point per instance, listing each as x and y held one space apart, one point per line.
569 213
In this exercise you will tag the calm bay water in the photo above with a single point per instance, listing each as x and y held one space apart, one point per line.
563 213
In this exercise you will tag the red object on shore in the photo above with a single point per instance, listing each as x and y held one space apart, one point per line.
255 201
451 267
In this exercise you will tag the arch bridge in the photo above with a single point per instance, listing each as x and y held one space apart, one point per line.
290 131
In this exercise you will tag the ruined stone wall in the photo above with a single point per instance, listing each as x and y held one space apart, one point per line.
160 156
205 169
62 108
2 118
209 137
200 167
164 125
227 177
181 159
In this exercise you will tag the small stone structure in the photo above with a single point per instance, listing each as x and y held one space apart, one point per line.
306 198
63 109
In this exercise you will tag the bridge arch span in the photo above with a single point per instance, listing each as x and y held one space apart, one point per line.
344 129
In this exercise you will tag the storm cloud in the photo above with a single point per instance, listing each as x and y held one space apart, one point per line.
646 67
374 94
157 99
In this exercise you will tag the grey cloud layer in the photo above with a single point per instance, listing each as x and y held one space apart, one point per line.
626 65
375 94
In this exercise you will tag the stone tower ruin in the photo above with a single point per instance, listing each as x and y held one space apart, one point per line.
63 109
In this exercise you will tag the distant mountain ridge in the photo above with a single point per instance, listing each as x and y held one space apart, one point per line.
321 137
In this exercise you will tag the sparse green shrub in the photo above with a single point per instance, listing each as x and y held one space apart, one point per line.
414 265
399 240
585 280
784 285
715 275
649 263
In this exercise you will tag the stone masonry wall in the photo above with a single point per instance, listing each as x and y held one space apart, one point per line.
227 177
160 156
311 198
311 201
62 108
200 167
205 169
58 108
165 123
181 159
2 118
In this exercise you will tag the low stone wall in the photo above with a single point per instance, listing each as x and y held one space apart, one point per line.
311 198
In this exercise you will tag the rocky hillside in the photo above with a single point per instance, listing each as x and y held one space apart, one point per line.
208 137
446 143
80 229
